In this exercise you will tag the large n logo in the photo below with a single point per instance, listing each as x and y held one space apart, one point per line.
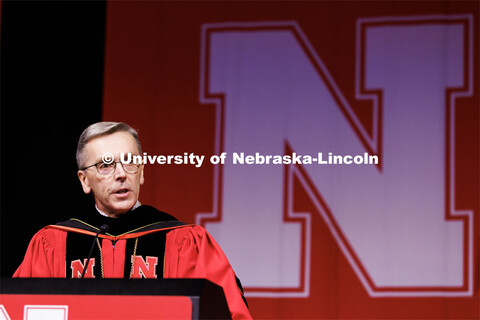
397 222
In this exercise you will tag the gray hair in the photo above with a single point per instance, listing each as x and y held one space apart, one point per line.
101 129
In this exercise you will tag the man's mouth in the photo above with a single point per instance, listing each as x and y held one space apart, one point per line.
122 191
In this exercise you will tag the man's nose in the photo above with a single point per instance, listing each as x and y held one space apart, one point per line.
119 171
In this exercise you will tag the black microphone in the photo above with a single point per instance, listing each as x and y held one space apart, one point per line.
103 229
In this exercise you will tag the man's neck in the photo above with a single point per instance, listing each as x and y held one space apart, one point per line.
135 206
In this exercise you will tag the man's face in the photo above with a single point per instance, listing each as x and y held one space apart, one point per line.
118 192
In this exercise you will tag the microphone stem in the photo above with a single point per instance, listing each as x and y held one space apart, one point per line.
101 230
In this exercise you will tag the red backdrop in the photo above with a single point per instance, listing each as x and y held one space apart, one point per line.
178 72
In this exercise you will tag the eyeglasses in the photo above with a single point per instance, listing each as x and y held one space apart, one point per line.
106 169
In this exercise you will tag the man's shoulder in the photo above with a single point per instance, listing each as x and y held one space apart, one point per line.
47 237
189 234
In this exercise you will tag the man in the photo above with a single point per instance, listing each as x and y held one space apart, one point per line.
158 244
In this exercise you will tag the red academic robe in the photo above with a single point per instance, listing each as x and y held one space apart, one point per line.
190 252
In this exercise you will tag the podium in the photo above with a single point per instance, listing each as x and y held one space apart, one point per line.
72 299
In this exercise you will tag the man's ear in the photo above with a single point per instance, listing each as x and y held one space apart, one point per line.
82 176
142 179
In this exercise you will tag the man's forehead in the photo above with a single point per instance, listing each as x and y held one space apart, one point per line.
114 143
